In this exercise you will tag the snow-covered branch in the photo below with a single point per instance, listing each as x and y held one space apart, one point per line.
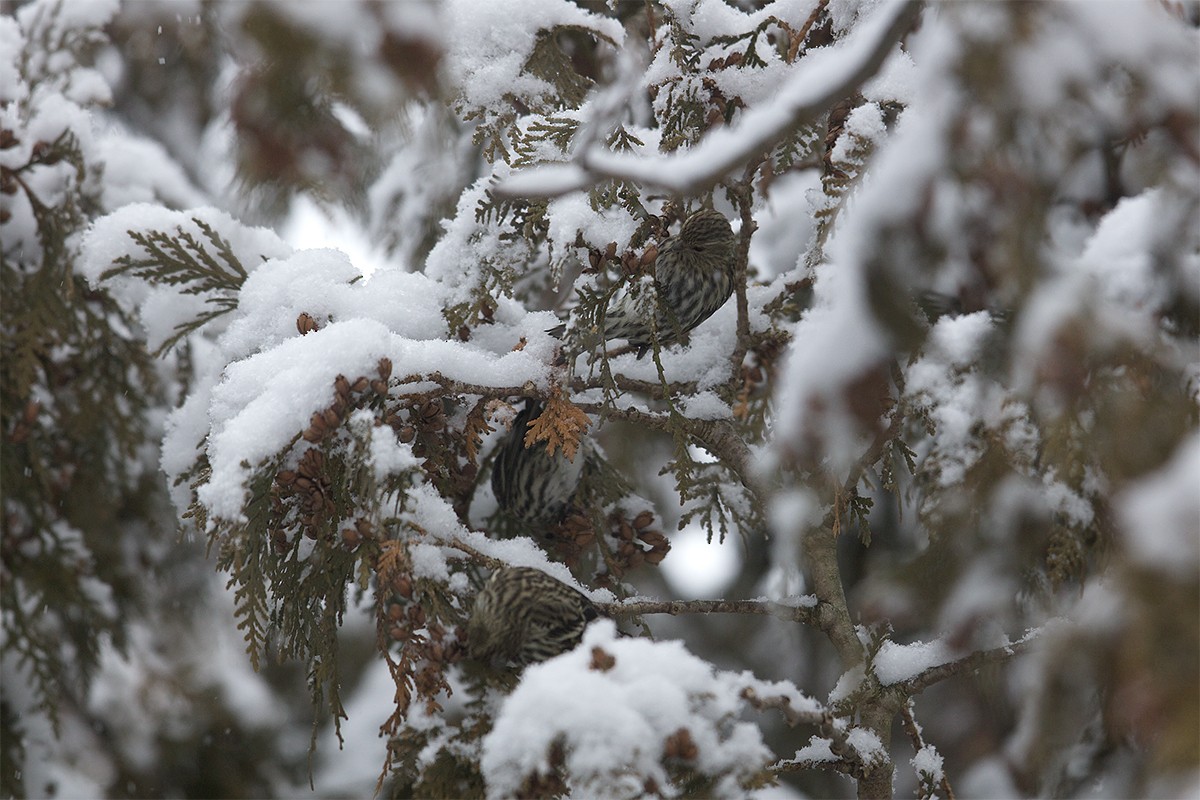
936 674
811 91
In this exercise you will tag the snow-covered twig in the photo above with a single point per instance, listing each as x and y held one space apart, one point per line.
783 704
923 680
918 742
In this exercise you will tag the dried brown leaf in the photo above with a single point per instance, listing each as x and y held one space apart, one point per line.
561 424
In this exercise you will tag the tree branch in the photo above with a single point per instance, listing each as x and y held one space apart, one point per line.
461 387
918 742
820 555
803 614
743 194
848 761
803 100
804 765
792 716
717 435
929 677
652 389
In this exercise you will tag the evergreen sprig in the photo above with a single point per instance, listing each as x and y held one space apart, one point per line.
178 258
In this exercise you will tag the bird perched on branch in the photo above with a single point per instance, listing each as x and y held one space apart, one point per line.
692 278
528 482
522 616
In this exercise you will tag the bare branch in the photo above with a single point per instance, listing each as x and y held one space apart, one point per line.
804 765
446 384
803 614
652 389
743 194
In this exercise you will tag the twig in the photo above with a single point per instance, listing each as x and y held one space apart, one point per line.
652 389
838 765
718 437
803 614
783 704
798 39
742 193
923 680
462 387
914 734
848 761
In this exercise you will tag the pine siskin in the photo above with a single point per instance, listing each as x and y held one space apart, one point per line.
523 616
529 483
693 277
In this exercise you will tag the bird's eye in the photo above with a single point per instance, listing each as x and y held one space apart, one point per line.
698 249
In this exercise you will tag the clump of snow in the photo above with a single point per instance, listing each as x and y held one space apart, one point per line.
962 400
429 561
266 380
1159 515
836 342
612 724
387 455
928 762
705 405
960 340
1118 281
895 663
847 682
817 750
46 93
864 124
572 216
469 249
159 307
139 170
488 45
789 515
867 744
424 176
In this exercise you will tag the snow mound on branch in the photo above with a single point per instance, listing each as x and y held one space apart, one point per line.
161 307
490 43
895 663
260 379
265 398
614 724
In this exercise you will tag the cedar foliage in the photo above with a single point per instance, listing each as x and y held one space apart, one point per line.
321 532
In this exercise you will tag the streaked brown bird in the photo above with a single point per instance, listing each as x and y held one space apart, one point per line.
530 484
693 277
523 616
